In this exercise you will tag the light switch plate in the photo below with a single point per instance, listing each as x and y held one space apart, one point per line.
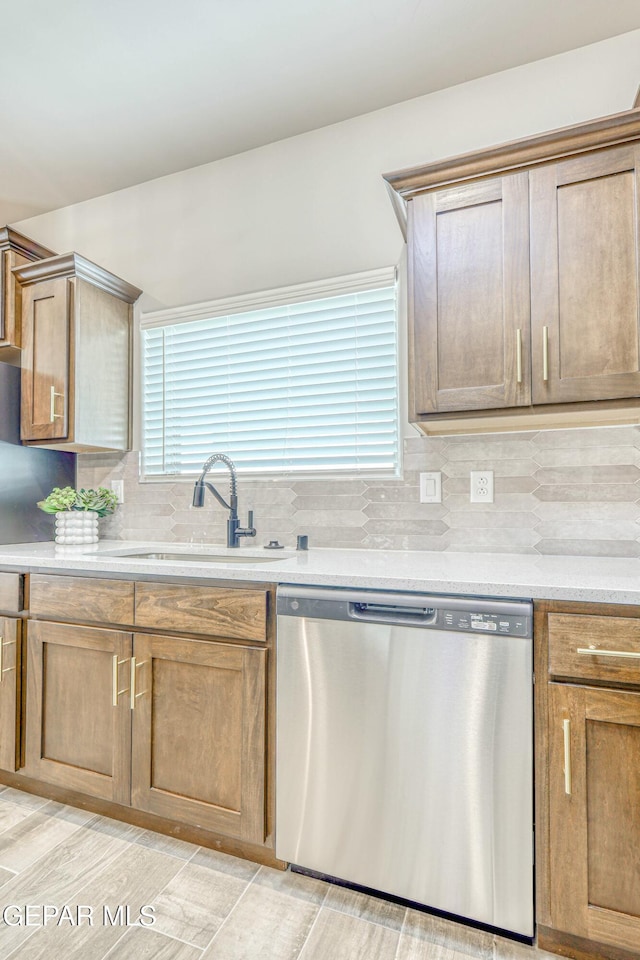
118 488
431 487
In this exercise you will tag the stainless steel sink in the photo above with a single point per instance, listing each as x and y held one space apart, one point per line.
241 557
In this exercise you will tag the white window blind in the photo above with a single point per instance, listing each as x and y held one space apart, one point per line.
307 387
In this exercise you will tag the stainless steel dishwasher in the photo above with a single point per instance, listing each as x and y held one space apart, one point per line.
404 747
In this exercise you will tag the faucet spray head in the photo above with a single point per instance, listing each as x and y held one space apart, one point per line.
198 494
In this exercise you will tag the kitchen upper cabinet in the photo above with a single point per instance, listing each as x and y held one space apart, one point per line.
16 250
78 715
585 305
523 283
76 349
469 277
199 734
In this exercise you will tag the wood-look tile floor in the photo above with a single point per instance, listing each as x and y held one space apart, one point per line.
208 906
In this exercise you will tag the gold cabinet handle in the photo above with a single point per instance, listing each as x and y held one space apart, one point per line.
566 730
4 643
115 693
545 353
519 355
52 410
134 696
593 652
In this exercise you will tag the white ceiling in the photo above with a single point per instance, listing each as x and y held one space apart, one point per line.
96 96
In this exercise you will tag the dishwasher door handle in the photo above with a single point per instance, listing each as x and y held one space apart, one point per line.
371 612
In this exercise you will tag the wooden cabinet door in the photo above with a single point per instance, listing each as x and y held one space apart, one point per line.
469 297
46 334
199 734
584 277
10 693
594 822
78 714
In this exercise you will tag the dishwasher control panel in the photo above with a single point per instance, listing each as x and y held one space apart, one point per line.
502 623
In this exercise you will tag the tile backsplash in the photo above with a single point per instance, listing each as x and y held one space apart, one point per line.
574 492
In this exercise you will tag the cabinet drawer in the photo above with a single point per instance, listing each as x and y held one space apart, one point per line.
210 611
11 592
81 598
617 637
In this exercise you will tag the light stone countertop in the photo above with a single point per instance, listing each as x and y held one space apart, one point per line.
595 579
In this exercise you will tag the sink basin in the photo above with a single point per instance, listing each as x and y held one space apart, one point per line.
197 557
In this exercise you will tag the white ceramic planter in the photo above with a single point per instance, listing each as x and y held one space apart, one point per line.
77 526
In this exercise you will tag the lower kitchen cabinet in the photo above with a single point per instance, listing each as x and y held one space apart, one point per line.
594 824
199 734
78 729
10 693
588 779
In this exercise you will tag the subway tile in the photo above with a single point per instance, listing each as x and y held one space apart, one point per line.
577 457
491 438
328 488
406 527
405 511
350 518
589 548
587 437
490 537
338 503
588 510
393 493
584 492
509 502
614 473
423 461
328 535
587 530
503 449
501 468
508 548
476 519
390 542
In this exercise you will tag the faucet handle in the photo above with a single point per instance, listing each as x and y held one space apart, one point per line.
250 519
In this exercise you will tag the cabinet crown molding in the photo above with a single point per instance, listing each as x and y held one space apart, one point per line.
515 155
10 239
74 265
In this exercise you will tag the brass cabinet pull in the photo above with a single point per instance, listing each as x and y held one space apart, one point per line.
566 730
4 643
115 693
608 653
134 696
519 355
545 353
52 411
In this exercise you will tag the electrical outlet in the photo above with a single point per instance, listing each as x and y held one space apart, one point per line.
118 488
482 486
431 487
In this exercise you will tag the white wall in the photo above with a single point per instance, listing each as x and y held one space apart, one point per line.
314 206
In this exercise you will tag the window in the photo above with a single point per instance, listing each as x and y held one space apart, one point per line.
300 384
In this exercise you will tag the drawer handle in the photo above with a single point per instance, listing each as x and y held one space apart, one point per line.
545 353
592 652
566 730
52 411
519 355
114 680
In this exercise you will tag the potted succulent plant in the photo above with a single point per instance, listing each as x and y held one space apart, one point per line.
77 512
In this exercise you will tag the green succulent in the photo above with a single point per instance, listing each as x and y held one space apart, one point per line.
102 500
